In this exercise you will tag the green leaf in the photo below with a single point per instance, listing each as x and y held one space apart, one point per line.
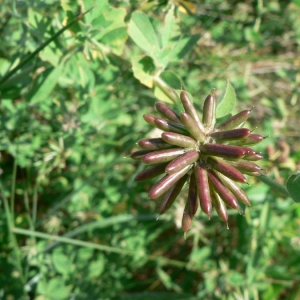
143 69
45 88
293 186
235 278
183 47
226 106
96 268
199 256
142 33
108 25
61 263
170 29
115 39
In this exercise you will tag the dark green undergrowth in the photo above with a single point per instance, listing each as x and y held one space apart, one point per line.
73 223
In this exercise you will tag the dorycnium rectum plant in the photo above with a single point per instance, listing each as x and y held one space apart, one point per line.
211 159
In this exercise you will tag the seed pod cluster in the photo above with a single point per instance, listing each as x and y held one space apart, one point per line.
212 159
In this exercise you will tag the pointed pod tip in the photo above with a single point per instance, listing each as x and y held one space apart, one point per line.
227 226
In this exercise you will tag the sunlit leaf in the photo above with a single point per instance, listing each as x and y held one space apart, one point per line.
142 33
226 105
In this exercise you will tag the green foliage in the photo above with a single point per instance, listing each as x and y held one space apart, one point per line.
73 89
293 186
227 104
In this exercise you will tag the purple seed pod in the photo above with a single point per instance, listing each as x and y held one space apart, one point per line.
245 166
235 189
186 218
182 161
138 155
192 196
154 144
211 159
209 110
219 206
235 121
203 189
192 126
172 194
166 183
251 139
167 112
166 125
151 172
253 156
161 156
150 120
178 140
229 135
223 191
221 150
190 109
226 169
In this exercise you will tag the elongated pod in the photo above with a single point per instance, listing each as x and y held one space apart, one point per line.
187 217
154 144
192 196
178 140
166 125
253 156
226 151
182 161
150 119
235 121
245 166
219 206
172 194
151 172
235 189
223 191
203 189
230 135
251 139
190 109
166 183
161 156
192 126
226 169
167 112
138 155
209 110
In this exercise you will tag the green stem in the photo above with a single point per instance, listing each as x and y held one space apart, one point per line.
274 185
45 44
16 250
161 260
13 190
165 88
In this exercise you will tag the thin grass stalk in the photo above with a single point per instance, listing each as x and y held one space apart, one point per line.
45 44
159 259
13 239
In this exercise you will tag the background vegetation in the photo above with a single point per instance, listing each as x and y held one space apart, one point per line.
73 223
